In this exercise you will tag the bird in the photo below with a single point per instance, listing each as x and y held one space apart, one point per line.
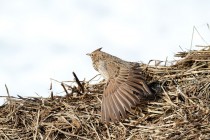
125 85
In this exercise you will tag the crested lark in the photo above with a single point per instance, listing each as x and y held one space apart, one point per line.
125 86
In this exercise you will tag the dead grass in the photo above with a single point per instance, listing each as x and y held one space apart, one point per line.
182 113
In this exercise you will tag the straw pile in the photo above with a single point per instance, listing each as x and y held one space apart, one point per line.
183 112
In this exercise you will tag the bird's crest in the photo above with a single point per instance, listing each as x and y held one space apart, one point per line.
91 54
99 49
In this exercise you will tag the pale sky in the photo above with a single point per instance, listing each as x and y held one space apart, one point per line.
43 39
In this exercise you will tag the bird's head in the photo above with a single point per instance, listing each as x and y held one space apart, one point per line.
94 53
95 56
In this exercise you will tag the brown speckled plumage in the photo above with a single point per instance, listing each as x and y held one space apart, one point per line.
125 86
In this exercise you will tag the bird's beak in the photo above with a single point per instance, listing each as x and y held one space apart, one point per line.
88 54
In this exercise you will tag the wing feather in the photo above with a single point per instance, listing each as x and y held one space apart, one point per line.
124 103
118 107
122 93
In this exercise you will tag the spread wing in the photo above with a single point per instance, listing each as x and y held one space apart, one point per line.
122 93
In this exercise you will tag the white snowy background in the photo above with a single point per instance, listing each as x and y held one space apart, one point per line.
43 39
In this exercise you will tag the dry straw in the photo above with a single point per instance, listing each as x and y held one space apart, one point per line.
183 112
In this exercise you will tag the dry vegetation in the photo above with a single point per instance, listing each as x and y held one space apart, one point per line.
182 113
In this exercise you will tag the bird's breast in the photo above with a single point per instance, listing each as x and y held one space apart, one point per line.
102 69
